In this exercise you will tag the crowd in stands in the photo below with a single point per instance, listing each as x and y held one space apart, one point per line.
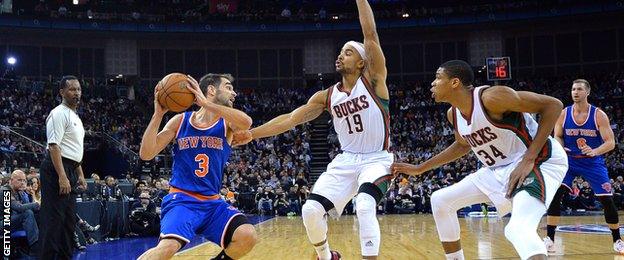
266 11
270 176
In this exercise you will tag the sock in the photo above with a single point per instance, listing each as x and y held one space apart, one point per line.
323 251
459 255
615 233
550 231
222 256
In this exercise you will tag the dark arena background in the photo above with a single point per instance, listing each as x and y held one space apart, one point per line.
280 53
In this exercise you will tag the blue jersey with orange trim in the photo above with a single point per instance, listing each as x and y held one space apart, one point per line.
575 135
199 156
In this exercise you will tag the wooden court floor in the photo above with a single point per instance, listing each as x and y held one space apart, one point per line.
410 237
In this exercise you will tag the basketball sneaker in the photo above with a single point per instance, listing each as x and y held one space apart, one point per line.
550 245
618 246
334 255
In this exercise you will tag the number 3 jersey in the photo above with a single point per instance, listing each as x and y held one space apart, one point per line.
497 143
199 156
360 118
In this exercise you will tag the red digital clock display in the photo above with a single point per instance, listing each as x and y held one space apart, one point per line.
498 68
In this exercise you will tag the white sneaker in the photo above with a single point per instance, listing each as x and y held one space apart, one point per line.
550 245
618 246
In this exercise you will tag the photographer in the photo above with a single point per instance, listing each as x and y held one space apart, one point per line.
144 218
293 199
281 205
265 200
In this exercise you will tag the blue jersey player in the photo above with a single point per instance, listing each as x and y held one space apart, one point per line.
586 134
201 147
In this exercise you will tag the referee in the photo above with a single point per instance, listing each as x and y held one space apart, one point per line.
61 173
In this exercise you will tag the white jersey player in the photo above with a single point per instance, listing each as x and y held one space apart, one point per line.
523 165
359 108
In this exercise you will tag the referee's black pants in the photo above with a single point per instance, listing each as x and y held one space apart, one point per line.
58 212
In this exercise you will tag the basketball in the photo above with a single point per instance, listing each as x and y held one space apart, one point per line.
174 94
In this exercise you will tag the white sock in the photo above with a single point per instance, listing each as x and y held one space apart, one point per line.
459 255
323 251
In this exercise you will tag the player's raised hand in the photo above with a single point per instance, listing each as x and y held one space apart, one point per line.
241 137
158 108
517 176
200 98
406 168
588 151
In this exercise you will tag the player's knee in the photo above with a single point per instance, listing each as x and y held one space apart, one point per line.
365 205
169 247
28 213
610 212
311 211
513 232
247 236
437 202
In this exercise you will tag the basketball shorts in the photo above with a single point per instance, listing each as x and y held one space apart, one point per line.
541 183
593 170
184 216
348 171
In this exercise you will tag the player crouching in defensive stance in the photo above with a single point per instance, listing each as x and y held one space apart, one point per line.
524 166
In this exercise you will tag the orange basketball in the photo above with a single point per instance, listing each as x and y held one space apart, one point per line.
174 95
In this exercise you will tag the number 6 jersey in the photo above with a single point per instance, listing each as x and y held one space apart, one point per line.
497 143
199 156
360 118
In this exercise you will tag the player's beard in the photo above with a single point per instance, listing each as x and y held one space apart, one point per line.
223 100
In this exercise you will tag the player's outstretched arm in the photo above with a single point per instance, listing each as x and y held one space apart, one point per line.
458 149
153 142
602 120
311 110
376 67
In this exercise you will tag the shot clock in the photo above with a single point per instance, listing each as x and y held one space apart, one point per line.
498 68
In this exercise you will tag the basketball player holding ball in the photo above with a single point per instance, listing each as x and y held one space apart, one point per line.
359 108
201 147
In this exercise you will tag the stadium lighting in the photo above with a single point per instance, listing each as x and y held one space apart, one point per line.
11 61
335 17
405 15
76 2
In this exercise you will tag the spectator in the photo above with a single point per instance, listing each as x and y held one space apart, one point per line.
35 189
281 205
111 190
265 201
23 209
32 173
586 197
144 218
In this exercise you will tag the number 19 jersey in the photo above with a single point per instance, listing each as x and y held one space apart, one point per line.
497 143
199 156
361 119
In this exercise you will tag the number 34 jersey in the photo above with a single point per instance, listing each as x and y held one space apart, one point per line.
360 118
497 143
199 156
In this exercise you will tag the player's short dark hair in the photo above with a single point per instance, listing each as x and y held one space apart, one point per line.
584 81
459 69
213 79
64 81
